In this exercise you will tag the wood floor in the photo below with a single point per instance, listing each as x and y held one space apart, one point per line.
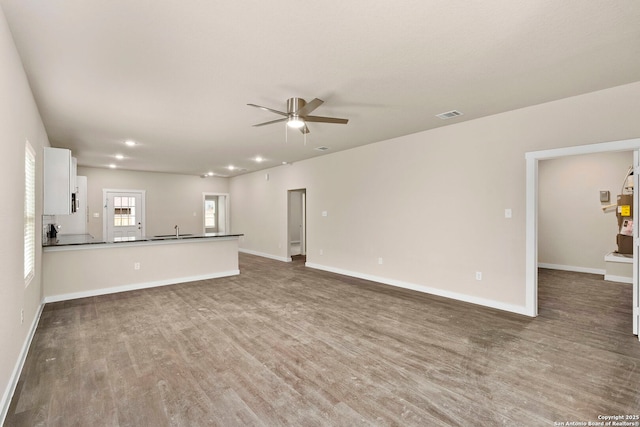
282 344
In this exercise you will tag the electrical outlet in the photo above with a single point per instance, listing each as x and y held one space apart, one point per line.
508 213
478 275
321 252
380 261
136 266
21 316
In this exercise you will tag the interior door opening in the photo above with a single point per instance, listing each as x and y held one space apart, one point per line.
215 212
532 159
296 223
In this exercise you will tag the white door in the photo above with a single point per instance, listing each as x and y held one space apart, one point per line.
124 213
636 248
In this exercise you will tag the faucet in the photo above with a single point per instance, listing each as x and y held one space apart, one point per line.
177 231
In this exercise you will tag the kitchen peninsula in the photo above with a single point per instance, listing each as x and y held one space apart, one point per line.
77 266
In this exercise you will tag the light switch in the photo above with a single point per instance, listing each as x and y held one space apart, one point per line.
604 196
325 213
508 213
96 214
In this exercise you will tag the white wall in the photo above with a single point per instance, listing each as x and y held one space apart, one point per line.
170 198
448 188
573 230
19 121
70 272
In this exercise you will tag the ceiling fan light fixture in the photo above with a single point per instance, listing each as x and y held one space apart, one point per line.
295 122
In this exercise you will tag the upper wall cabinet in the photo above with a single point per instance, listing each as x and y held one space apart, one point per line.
59 181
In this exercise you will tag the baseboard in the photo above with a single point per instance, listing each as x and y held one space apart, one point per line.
426 289
136 286
17 370
265 255
600 271
619 279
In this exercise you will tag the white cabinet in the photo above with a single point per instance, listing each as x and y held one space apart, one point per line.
59 181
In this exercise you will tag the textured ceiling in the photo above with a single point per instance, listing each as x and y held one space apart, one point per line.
176 76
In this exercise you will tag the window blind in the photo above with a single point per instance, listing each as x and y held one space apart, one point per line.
29 212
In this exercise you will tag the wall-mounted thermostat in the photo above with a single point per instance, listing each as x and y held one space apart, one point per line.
604 196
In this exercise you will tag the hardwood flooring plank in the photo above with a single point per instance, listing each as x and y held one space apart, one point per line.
282 344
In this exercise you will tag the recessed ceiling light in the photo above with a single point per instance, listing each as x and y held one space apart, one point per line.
130 143
258 159
210 173
231 167
119 156
112 166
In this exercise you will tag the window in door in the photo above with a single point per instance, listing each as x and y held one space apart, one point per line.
124 211
211 214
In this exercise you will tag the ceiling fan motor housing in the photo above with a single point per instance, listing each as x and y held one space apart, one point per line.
294 104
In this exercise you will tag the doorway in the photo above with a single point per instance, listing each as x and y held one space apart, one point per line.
215 212
531 267
123 217
297 224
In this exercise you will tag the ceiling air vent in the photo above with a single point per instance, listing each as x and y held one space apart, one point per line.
449 114
322 148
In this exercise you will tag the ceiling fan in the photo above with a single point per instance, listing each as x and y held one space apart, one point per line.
297 114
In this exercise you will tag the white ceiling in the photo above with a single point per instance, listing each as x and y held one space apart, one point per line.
176 76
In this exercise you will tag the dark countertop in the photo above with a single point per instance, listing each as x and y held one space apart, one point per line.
87 239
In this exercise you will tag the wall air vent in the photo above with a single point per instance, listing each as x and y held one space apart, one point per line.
322 148
449 114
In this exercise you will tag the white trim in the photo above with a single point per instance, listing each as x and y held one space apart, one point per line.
636 251
531 232
602 147
137 286
531 239
425 289
600 271
265 255
17 370
614 257
619 279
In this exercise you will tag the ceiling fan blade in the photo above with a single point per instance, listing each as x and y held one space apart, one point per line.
318 119
304 129
268 109
309 107
271 122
